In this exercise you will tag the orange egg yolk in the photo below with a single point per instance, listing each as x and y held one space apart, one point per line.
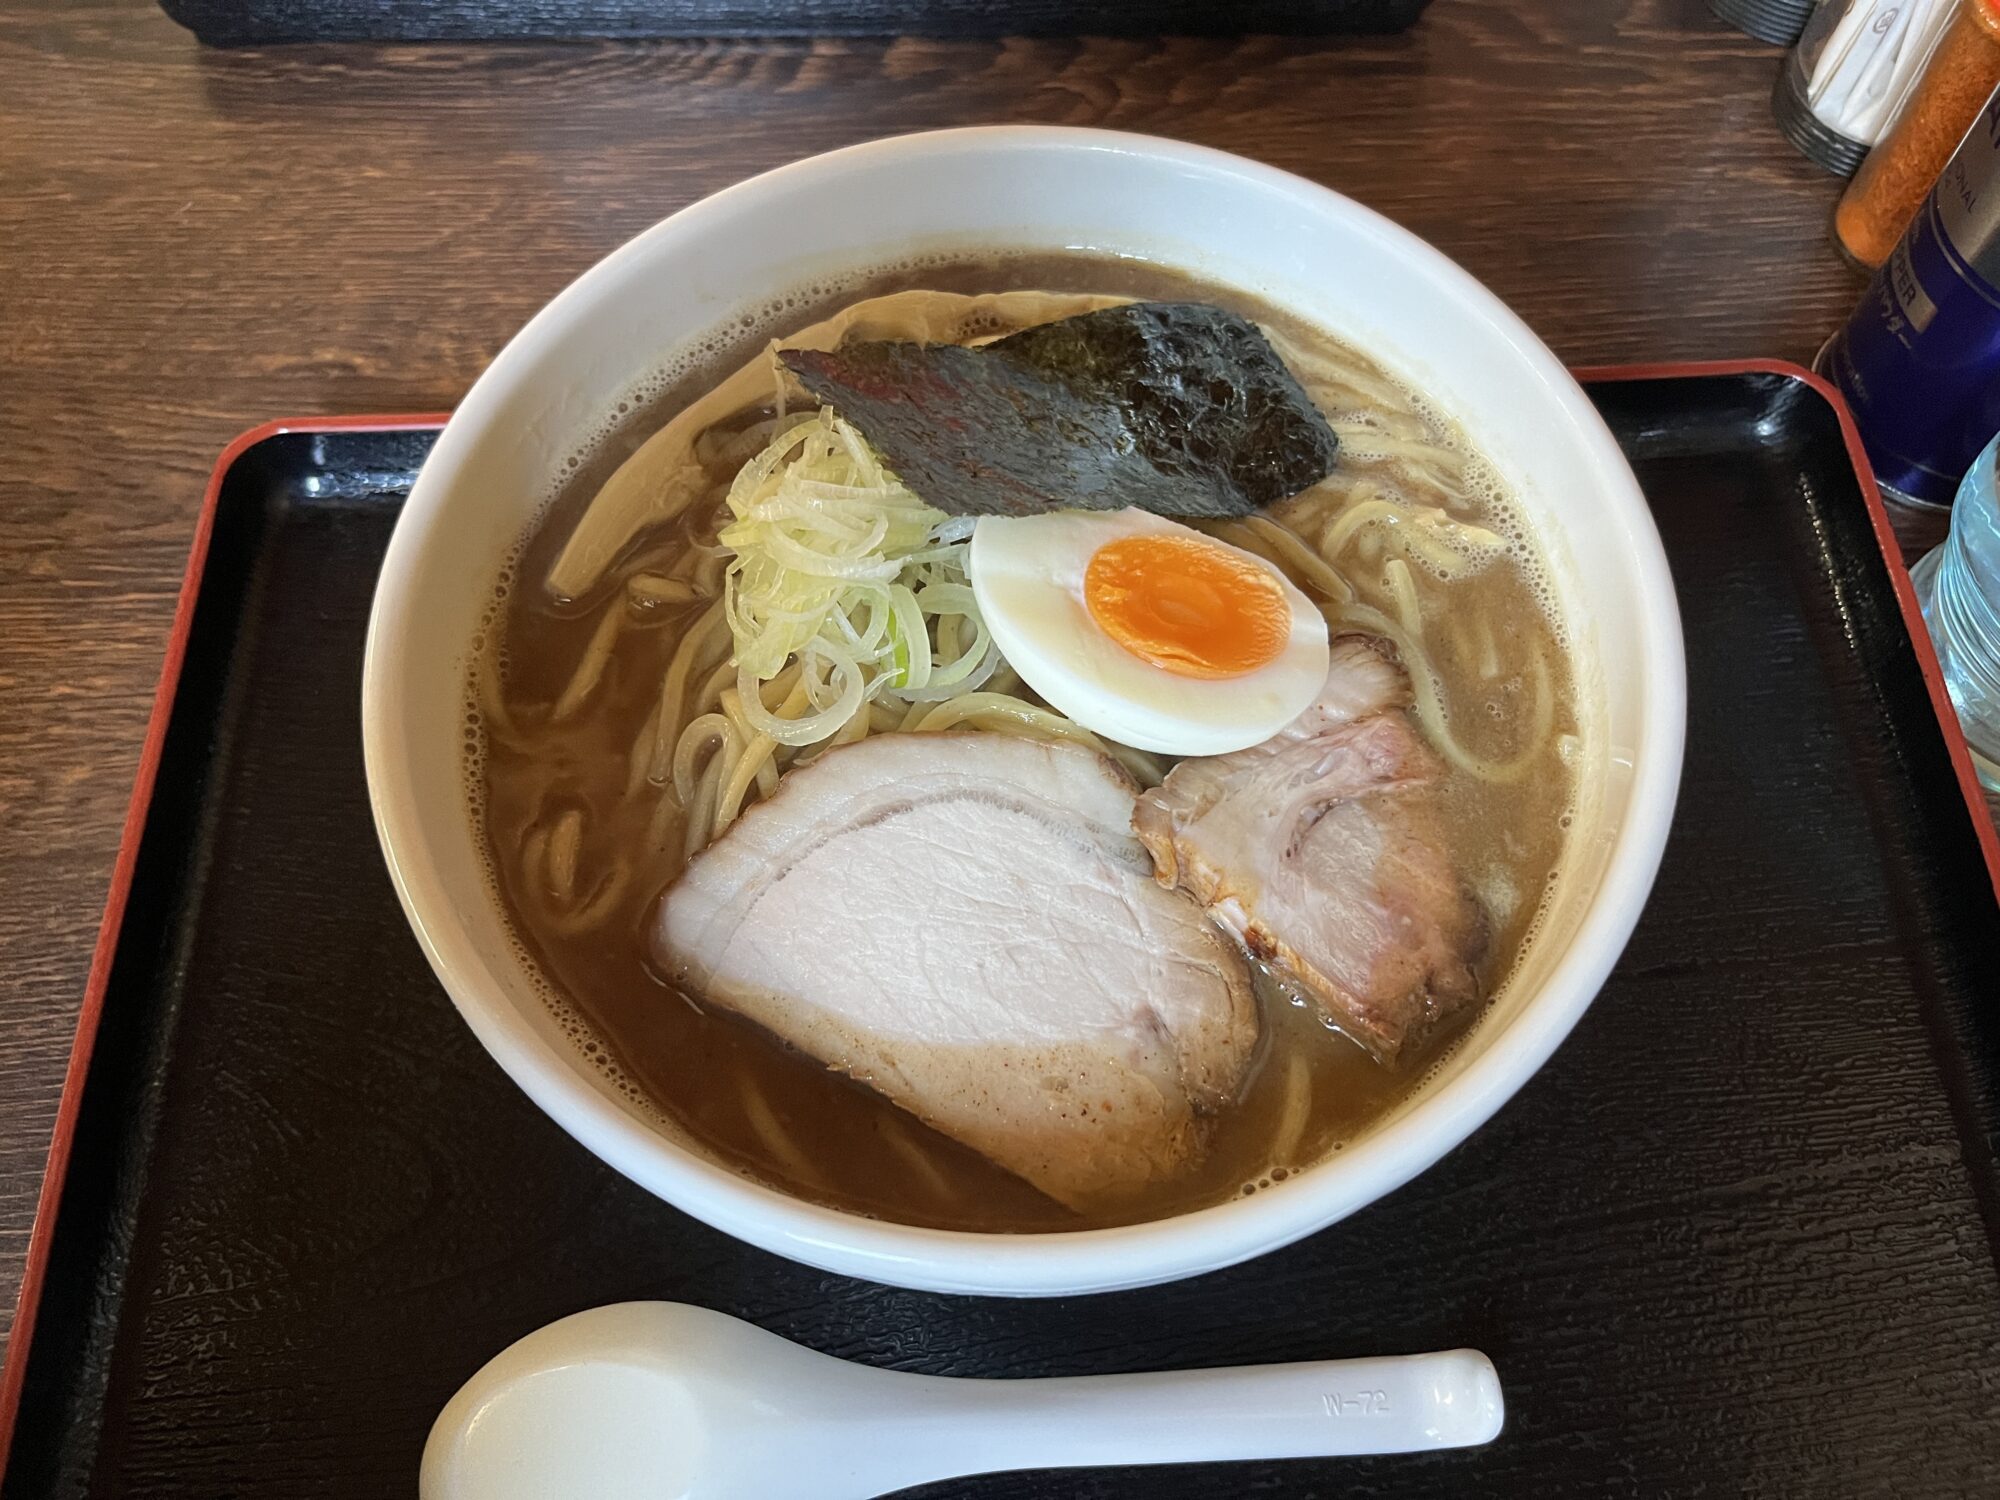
1189 606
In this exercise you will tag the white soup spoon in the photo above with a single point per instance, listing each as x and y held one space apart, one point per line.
660 1401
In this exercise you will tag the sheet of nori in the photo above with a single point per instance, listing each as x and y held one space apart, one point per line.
1178 408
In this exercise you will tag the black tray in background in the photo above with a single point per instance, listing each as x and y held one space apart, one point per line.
252 22
1737 1238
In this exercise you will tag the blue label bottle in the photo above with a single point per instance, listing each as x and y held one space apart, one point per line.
1919 362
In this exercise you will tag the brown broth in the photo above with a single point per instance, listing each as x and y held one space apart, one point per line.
842 1144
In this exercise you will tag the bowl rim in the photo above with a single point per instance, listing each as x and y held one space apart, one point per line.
1067 1261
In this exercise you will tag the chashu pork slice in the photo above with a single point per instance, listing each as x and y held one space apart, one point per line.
1322 849
966 923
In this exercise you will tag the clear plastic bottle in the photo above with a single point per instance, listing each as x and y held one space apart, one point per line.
1958 586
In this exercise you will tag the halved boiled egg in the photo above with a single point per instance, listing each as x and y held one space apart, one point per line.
1147 631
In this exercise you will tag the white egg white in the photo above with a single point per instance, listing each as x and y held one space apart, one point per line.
1027 574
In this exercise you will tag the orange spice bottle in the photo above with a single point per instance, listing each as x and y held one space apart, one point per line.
1961 75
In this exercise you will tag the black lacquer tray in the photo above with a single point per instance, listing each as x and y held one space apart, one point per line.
254 22
1737 1238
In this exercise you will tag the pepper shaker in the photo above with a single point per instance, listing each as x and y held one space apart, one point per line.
1962 73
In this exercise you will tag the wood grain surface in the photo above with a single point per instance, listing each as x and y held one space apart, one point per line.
192 242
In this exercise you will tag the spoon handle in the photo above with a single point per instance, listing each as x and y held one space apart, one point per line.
1401 1404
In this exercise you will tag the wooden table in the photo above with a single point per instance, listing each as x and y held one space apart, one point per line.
192 242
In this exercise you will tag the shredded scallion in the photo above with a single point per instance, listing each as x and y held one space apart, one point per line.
838 566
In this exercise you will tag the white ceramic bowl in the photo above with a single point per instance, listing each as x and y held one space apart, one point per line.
1221 218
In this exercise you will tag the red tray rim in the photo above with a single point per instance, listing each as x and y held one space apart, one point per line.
41 1235
13 1374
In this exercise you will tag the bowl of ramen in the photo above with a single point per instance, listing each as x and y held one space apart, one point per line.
1023 711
